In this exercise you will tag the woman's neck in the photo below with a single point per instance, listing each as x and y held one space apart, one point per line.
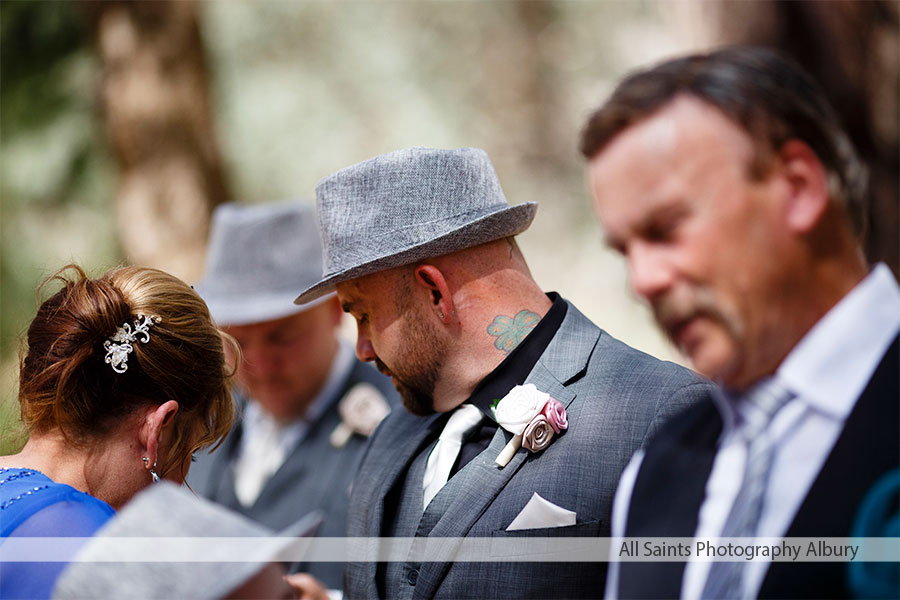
54 456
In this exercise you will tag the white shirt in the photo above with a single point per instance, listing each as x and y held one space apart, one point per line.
827 377
266 442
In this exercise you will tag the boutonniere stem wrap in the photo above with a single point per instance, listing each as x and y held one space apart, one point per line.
532 416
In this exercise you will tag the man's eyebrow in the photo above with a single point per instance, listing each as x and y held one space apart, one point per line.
667 212
647 222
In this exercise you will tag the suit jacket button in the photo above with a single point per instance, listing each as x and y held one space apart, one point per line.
412 577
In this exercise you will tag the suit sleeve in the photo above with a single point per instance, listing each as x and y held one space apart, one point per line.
667 407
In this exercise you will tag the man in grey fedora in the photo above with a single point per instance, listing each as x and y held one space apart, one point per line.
307 405
419 245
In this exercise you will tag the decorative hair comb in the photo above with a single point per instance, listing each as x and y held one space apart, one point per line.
119 346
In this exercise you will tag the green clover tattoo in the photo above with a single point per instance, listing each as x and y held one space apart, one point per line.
510 331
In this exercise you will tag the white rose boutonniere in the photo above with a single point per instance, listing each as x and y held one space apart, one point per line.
532 416
361 410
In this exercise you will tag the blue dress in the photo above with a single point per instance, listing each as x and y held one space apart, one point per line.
32 505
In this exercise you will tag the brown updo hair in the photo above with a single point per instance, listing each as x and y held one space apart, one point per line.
66 383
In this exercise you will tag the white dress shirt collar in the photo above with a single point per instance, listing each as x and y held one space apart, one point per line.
830 367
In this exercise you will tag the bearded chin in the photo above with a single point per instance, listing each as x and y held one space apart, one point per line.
417 392
415 402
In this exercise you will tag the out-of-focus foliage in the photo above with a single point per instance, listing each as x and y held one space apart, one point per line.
156 111
54 176
306 88
54 179
35 40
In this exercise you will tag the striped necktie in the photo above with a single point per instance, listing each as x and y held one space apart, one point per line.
763 403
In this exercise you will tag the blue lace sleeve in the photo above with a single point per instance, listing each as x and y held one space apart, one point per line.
69 513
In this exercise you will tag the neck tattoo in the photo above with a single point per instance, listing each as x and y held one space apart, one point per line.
510 331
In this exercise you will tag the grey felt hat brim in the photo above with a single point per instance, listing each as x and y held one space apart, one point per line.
258 257
494 224
255 308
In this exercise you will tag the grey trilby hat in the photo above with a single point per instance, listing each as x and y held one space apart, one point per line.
189 528
409 205
258 257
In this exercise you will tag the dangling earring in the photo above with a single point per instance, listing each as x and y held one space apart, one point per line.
440 315
153 474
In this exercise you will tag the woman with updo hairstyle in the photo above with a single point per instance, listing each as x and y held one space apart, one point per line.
123 379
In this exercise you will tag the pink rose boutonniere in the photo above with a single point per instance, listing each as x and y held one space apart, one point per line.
532 416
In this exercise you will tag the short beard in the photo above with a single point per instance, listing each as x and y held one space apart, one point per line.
417 390
416 385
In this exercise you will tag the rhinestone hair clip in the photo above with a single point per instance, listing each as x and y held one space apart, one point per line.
120 345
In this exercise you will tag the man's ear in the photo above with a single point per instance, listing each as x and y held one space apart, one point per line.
432 279
156 420
807 186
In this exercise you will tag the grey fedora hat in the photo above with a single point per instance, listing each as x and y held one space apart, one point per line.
406 206
258 257
168 543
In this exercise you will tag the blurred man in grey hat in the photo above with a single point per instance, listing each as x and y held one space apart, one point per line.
308 407
521 413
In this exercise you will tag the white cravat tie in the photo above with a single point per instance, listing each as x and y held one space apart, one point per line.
260 458
444 453
725 578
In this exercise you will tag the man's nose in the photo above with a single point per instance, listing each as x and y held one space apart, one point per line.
364 350
649 271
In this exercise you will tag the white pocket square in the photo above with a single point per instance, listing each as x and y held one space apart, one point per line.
540 513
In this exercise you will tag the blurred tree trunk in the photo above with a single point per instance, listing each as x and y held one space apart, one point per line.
853 49
155 100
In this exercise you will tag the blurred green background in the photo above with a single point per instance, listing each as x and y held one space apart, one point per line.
122 125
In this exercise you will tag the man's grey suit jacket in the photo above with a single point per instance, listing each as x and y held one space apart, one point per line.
615 396
314 476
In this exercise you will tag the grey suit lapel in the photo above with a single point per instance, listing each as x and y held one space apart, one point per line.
565 358
568 353
219 482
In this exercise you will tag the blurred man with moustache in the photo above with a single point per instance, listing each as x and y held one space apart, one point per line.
419 246
728 185
307 405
